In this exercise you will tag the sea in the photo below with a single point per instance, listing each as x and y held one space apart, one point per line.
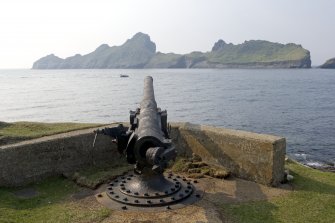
298 104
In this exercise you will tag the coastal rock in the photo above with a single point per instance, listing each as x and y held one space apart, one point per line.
134 53
48 62
140 52
329 64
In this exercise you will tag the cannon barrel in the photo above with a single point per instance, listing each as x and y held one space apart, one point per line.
149 144
149 125
149 131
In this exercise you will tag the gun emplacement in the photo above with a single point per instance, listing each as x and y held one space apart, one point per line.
147 144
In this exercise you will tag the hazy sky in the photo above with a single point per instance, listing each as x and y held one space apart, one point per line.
34 28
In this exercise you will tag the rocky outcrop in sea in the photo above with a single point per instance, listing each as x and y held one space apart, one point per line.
329 64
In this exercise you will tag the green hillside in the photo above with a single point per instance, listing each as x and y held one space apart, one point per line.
257 51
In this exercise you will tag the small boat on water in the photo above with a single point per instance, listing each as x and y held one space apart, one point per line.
124 75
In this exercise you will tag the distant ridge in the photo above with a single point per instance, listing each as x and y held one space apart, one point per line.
140 52
329 64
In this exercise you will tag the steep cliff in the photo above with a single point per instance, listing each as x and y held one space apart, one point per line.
134 53
48 62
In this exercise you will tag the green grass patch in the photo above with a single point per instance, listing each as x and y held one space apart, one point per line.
257 51
313 200
94 176
52 204
18 131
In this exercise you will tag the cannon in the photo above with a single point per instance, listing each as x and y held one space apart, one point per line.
146 143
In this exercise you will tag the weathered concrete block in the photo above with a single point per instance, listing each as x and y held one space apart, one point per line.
33 160
256 157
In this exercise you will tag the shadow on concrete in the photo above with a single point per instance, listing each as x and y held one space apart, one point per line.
215 151
245 191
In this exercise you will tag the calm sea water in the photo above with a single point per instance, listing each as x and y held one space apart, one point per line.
297 104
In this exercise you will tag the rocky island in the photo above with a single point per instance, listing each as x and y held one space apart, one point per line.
140 52
329 64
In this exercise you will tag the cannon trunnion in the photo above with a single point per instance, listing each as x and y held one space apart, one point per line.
147 145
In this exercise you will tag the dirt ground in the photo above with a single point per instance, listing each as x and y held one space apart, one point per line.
209 209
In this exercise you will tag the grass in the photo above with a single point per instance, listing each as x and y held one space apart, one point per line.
313 200
53 204
18 131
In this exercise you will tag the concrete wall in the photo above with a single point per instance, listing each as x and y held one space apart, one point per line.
251 156
256 157
33 160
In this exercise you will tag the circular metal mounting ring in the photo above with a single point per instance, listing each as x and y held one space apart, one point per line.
156 193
